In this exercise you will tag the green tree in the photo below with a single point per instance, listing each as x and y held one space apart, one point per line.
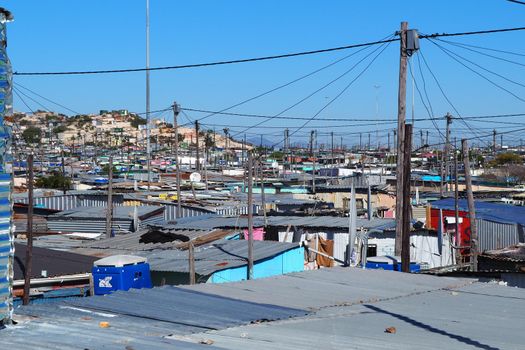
507 158
59 129
32 135
55 180
136 121
105 169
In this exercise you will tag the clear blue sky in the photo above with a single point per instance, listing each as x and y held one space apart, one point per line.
66 35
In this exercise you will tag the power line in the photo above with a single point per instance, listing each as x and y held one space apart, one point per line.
32 99
467 47
211 114
385 46
317 90
264 58
293 127
478 32
443 92
478 73
45 98
345 119
479 66
208 64
429 111
23 101
483 48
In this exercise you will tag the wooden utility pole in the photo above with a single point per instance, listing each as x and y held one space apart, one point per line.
109 211
314 134
311 143
388 135
244 150
405 241
250 216
401 118
447 150
64 185
441 175
493 142
29 248
471 209
421 138
206 168
197 163
263 195
176 111
456 198
333 157
191 261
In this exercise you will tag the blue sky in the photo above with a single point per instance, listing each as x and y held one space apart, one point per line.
62 35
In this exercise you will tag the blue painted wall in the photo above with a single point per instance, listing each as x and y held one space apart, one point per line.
287 262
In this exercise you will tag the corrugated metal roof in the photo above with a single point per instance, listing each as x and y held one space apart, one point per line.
53 262
184 307
479 316
497 212
218 256
329 287
131 241
99 213
138 319
353 307
209 222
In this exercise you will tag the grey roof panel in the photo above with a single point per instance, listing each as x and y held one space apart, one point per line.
185 308
214 257
477 316
332 222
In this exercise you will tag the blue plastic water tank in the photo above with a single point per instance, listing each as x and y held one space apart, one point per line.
388 262
381 262
120 272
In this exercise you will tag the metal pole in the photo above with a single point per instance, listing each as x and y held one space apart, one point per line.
176 111
250 216
471 209
29 248
401 118
148 131
109 212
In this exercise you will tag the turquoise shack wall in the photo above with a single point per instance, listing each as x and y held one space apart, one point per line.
287 262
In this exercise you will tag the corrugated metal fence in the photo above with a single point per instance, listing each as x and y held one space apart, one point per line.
494 235
72 201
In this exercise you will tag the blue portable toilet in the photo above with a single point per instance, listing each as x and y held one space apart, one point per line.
120 272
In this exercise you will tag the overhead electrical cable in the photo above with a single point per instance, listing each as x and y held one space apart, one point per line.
264 58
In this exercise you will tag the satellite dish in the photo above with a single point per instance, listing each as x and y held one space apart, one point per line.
195 177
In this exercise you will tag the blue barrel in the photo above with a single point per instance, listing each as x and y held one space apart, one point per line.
120 272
